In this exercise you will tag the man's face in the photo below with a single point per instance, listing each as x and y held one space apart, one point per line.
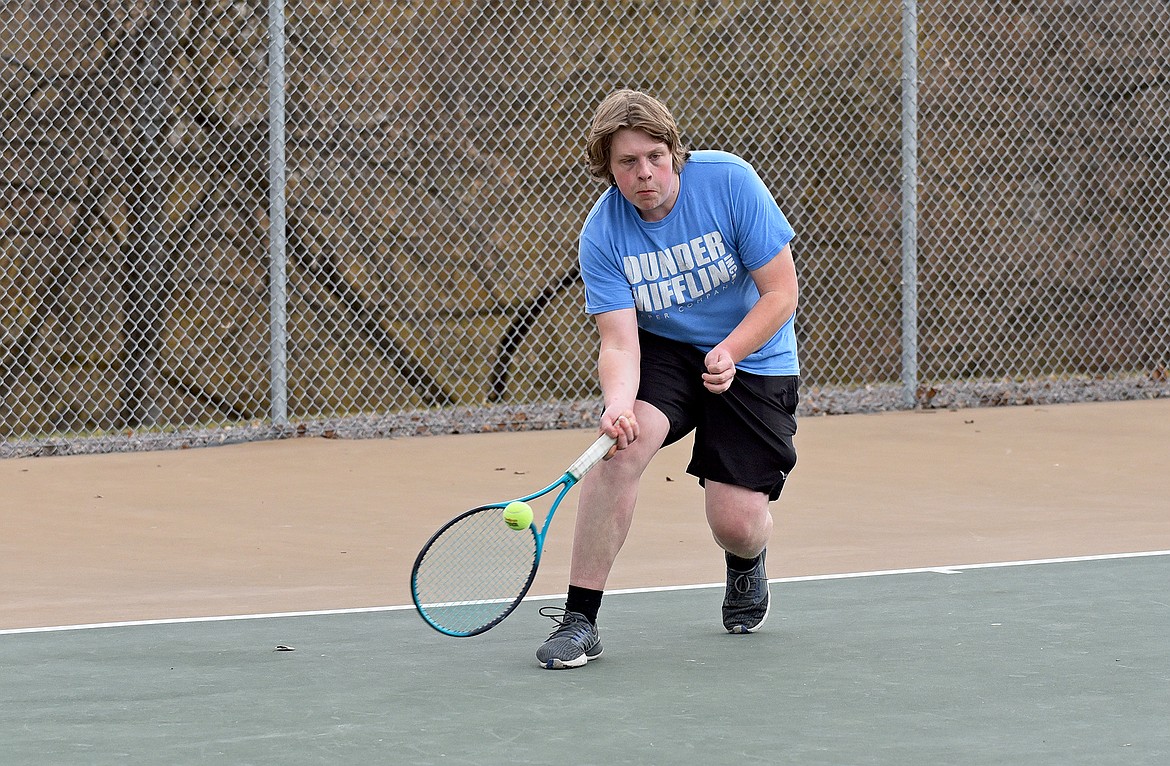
644 171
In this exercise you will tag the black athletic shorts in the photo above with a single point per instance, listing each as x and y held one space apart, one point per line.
742 436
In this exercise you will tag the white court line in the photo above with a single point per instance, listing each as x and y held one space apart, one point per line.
948 570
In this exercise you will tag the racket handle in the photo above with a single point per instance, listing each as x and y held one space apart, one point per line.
591 457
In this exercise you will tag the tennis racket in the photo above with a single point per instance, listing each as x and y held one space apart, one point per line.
476 569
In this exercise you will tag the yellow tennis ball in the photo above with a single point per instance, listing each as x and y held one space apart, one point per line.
518 515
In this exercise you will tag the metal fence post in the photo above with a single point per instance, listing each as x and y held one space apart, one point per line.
909 201
277 218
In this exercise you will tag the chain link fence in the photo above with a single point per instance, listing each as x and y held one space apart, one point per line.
239 220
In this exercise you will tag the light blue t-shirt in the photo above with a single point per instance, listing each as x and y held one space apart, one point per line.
687 275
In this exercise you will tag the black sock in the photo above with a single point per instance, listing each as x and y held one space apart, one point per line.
585 601
736 564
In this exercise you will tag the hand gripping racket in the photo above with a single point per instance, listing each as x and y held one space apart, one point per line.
475 570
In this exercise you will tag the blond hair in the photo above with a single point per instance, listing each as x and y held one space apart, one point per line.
631 109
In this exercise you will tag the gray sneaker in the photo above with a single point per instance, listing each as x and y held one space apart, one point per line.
746 602
572 644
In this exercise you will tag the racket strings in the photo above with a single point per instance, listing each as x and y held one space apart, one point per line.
473 572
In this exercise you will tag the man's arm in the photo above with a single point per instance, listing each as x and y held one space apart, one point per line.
619 372
777 284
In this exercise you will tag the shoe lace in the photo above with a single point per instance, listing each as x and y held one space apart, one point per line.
571 624
744 583
747 586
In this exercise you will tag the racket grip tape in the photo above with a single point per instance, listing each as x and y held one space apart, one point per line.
591 457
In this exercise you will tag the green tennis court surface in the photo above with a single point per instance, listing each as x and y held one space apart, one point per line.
1043 663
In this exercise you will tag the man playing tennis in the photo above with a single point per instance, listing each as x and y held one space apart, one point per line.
689 276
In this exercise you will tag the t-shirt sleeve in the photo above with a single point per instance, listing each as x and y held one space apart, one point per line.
761 229
606 287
